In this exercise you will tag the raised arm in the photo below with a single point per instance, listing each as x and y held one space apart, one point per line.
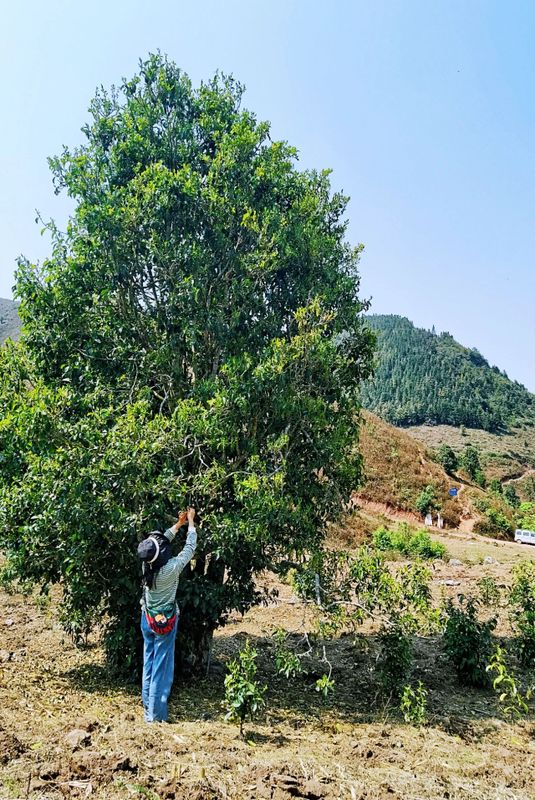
170 533
185 555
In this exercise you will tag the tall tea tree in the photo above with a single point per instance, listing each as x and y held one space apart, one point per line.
194 337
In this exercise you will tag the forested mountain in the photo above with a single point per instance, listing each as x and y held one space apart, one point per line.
422 377
9 320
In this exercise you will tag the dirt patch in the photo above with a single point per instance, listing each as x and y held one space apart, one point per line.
10 747
386 510
67 730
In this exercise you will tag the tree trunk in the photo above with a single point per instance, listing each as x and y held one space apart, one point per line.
199 619
193 649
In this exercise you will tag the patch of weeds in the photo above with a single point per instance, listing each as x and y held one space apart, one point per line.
138 789
12 786
42 599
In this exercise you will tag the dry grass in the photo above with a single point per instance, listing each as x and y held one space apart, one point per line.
399 464
505 456
397 469
351 746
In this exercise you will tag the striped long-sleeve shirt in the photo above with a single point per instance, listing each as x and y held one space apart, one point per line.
161 599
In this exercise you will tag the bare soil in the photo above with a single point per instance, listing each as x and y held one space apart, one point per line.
68 730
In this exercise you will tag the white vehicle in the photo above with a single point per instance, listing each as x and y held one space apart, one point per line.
524 537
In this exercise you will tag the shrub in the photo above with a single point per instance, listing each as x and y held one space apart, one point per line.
404 541
287 662
413 704
244 697
511 496
512 702
526 516
489 591
450 513
494 522
529 489
468 642
395 660
447 458
382 539
495 487
422 545
522 603
470 461
480 478
426 500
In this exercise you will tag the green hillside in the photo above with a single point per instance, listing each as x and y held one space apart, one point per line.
422 377
9 320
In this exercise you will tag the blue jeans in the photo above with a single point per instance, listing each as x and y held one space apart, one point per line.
158 670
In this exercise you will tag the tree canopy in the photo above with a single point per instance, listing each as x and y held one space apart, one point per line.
194 337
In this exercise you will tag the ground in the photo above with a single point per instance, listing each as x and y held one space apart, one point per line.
67 730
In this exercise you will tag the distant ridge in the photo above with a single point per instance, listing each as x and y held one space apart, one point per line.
9 320
425 378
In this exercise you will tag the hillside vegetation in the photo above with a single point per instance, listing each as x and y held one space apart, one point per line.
397 469
9 320
422 377
508 457
403 477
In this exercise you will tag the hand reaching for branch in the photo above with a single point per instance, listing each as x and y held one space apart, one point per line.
182 519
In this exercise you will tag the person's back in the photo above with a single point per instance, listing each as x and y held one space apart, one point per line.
161 598
160 613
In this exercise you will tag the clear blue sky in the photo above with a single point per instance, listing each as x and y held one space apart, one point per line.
424 110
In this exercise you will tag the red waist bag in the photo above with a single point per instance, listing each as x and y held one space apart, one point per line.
160 626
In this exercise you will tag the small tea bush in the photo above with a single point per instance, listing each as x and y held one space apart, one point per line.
325 686
489 592
244 697
382 539
468 642
287 662
513 703
423 546
522 603
395 660
413 704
